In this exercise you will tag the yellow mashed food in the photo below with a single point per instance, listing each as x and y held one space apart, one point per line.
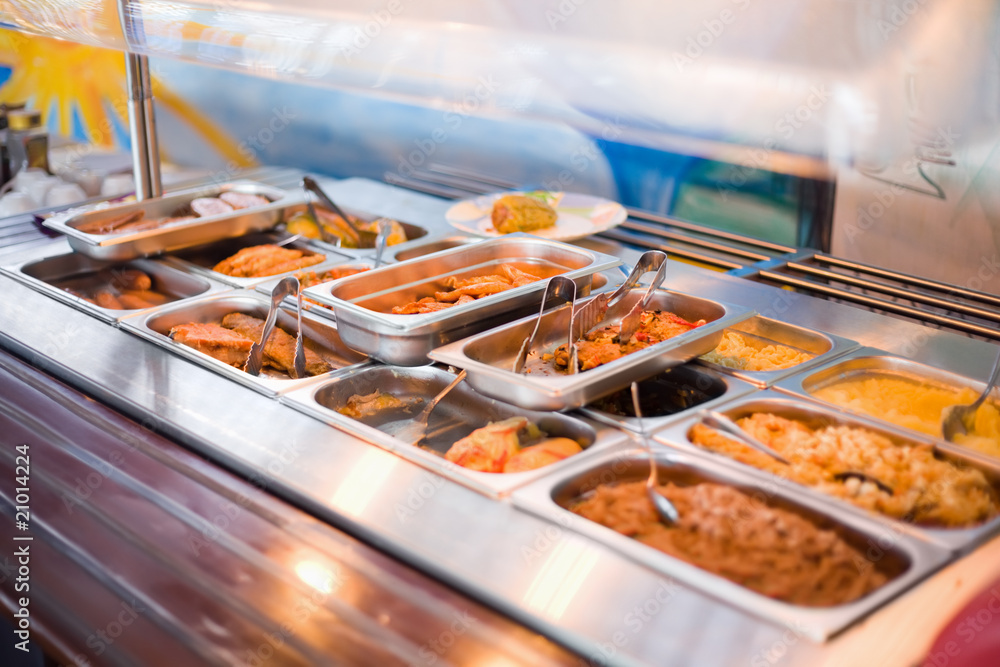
916 405
739 352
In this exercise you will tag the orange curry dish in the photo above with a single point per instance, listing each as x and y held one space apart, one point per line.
601 346
466 290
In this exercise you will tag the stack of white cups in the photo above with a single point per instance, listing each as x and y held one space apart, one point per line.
33 189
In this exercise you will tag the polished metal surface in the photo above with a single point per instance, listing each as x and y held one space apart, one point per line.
460 412
171 237
315 308
768 331
321 337
142 553
363 303
52 275
489 356
905 562
553 579
427 246
814 414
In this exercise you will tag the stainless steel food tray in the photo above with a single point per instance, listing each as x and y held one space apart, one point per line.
687 378
120 247
44 275
959 540
822 345
550 496
489 357
872 361
415 234
320 336
459 413
362 302
317 309
201 259
428 245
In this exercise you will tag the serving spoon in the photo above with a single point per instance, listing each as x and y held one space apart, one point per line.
668 513
721 422
955 418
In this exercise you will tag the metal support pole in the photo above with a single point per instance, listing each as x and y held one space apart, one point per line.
142 127
141 117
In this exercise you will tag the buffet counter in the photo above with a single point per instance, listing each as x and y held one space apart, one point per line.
499 551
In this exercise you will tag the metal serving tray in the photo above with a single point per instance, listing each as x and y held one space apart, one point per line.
906 558
51 275
321 337
489 356
871 362
119 247
362 302
959 540
668 397
459 413
822 345
318 309
407 251
415 234
202 258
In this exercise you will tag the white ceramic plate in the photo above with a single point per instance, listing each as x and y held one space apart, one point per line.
579 215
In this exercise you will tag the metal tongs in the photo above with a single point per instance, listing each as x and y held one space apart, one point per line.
557 287
366 239
255 360
630 323
592 314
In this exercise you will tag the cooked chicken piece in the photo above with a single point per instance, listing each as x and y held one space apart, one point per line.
111 224
360 406
517 277
456 283
243 199
206 206
489 448
217 342
542 454
475 291
601 346
266 260
310 278
425 305
279 351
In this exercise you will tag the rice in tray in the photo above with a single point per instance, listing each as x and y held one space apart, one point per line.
926 490
738 352
916 405
773 551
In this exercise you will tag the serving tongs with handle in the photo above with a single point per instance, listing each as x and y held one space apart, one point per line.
592 314
366 239
255 361
630 323
664 508
556 287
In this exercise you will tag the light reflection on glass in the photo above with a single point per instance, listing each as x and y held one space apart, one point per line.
325 578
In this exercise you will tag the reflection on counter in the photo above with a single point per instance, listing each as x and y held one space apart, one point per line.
917 405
